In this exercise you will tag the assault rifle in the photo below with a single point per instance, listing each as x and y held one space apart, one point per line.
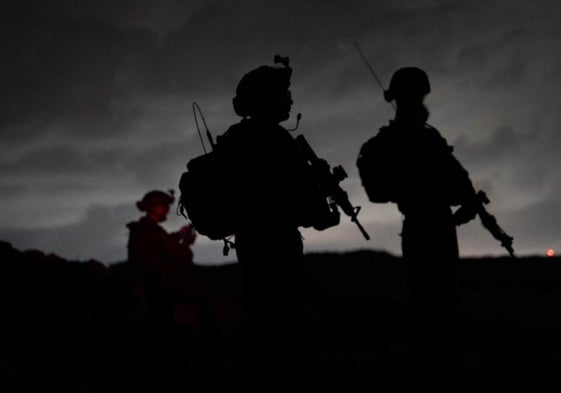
330 180
488 221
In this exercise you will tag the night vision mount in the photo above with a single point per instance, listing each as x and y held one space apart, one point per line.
284 60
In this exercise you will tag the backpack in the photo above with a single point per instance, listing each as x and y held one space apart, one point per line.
206 195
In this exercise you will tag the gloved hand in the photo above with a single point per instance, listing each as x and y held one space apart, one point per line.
188 234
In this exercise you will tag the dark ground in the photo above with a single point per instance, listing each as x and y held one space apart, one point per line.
75 326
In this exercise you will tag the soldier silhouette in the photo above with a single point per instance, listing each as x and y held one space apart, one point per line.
409 163
274 192
274 186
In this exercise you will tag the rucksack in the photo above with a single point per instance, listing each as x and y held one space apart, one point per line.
206 196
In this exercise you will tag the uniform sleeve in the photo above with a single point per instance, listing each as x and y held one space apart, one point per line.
298 185
455 183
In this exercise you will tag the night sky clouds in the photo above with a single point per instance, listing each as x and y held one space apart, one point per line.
96 105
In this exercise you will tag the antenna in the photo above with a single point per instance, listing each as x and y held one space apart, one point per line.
197 108
357 46
298 117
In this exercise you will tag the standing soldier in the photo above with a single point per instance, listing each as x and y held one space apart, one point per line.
272 188
273 192
409 163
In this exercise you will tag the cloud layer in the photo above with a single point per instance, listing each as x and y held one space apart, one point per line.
96 105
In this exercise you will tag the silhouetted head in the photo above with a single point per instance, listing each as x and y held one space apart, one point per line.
408 83
408 88
264 93
156 204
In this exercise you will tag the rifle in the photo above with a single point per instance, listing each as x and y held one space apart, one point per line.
330 179
488 221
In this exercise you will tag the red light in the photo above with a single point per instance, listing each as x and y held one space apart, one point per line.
550 252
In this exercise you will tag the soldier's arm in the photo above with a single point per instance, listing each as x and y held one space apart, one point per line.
461 188
174 251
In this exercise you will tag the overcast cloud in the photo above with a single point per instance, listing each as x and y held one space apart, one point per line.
96 107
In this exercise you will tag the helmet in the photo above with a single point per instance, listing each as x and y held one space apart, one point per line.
408 82
262 88
154 198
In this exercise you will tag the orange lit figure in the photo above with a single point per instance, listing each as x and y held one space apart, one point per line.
162 261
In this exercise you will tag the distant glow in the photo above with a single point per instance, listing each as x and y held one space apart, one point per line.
550 252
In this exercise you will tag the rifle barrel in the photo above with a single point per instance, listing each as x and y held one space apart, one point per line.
361 228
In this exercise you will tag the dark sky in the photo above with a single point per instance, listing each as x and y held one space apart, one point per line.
96 107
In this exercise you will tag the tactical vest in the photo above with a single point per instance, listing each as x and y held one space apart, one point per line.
254 178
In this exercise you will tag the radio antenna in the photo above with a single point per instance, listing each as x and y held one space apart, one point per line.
357 46
197 108
298 117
